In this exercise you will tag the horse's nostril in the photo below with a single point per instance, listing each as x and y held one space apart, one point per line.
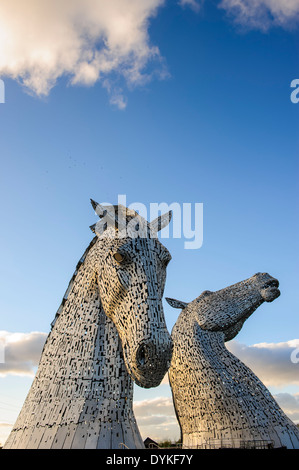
271 283
153 357
141 355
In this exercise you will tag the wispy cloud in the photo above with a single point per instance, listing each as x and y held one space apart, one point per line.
290 404
156 419
255 14
85 40
21 352
262 14
193 4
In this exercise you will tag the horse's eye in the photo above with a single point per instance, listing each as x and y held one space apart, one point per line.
118 257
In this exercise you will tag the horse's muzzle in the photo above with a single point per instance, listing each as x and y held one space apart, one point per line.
270 290
152 361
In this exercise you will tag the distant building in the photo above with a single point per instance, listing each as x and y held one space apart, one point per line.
150 444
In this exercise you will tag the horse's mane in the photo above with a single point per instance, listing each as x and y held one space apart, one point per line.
71 283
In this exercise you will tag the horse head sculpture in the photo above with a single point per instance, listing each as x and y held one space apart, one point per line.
108 332
218 400
131 273
226 310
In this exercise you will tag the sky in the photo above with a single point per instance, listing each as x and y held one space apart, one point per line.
161 101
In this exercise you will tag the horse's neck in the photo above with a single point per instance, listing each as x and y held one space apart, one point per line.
83 351
79 311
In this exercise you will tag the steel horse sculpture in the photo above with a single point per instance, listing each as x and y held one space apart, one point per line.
108 332
218 400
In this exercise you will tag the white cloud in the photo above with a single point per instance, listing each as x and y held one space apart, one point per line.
21 352
271 362
194 4
290 404
262 14
5 429
156 419
85 40
88 41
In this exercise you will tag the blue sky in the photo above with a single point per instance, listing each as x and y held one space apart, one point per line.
211 121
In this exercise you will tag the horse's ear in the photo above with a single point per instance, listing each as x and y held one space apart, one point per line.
176 303
108 216
98 208
160 222
205 294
